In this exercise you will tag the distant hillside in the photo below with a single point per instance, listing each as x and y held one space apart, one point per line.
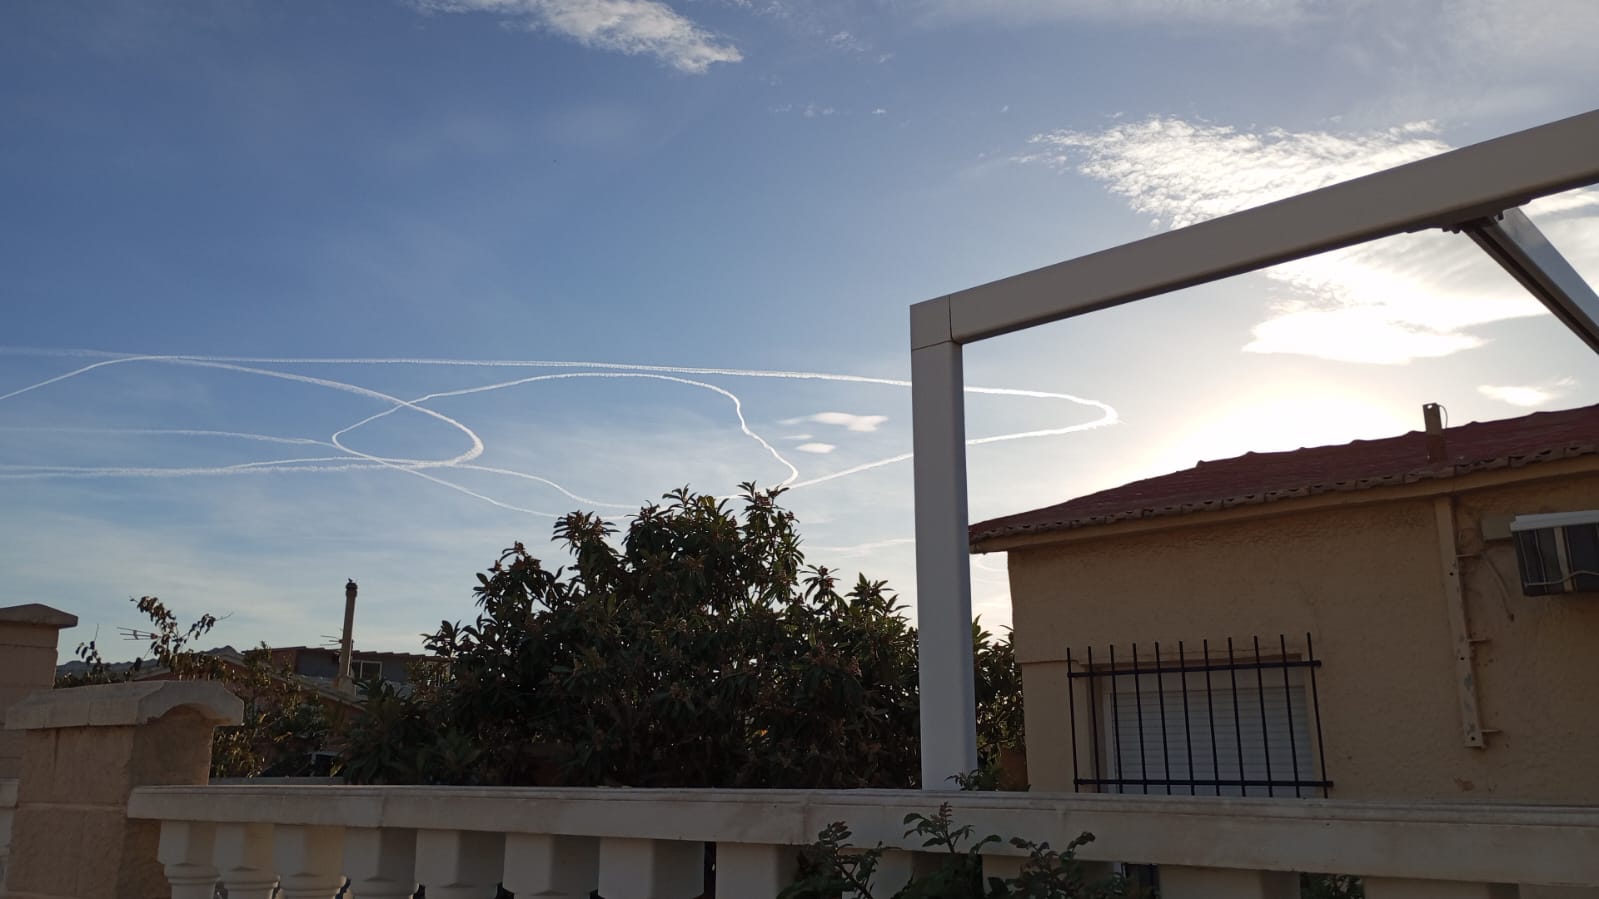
80 667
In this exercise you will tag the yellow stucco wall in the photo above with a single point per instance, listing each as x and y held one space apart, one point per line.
1361 572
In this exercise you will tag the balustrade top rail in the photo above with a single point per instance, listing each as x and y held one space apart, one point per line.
1493 843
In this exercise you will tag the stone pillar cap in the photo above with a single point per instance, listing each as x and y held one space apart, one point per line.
122 705
37 614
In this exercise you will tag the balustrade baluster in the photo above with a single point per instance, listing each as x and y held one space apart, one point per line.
651 869
1178 882
751 869
459 864
309 861
381 864
244 860
1399 888
552 867
186 852
895 868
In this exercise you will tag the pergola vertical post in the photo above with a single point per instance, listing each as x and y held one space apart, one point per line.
943 567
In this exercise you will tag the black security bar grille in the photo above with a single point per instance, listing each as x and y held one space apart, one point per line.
1237 723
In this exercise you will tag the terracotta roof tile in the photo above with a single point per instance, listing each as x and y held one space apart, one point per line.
1362 465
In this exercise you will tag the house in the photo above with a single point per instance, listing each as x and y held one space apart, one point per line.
321 664
1413 617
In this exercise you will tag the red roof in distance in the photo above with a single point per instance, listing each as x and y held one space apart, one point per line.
1267 477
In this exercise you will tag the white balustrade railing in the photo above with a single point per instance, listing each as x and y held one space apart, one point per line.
460 842
8 805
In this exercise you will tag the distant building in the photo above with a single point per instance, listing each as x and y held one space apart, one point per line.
321 664
1426 609
318 665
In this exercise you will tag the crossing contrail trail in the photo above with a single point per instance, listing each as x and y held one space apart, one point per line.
357 460
1105 408
738 405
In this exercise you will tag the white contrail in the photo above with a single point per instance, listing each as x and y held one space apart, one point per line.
670 373
472 453
738 405
861 549
1109 413
162 432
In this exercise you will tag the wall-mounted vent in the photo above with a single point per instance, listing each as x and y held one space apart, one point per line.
1557 553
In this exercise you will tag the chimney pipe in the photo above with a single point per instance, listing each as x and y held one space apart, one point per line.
346 642
1437 450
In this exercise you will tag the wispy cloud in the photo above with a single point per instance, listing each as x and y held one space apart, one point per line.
1527 395
1408 297
847 420
820 449
843 40
1168 168
634 27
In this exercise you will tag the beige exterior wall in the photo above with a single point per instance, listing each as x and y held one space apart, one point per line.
28 636
1362 573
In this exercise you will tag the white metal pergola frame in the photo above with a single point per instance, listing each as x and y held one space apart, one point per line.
1475 189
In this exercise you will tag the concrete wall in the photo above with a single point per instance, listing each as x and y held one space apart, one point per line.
1361 572
28 636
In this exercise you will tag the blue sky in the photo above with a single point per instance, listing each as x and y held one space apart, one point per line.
319 205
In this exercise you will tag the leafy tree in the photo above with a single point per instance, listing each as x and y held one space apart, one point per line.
283 722
695 648
998 683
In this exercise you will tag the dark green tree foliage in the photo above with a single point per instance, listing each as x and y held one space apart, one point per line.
998 685
698 651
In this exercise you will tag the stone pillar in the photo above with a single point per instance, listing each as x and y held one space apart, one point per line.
84 749
27 665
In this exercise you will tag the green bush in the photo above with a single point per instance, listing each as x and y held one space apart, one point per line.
695 648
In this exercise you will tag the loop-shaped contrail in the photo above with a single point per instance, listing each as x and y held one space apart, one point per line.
354 459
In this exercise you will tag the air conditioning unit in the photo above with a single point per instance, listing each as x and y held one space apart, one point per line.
1557 553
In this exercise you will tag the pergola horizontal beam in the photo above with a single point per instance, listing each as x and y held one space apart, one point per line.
1516 244
1450 189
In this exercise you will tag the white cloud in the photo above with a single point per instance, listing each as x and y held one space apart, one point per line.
1407 297
1527 395
1182 172
820 449
634 27
879 111
842 419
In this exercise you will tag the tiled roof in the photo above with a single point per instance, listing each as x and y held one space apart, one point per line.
1255 478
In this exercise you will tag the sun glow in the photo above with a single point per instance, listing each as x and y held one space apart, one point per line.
1275 419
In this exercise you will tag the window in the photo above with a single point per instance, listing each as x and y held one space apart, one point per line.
1226 723
1557 553
362 671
